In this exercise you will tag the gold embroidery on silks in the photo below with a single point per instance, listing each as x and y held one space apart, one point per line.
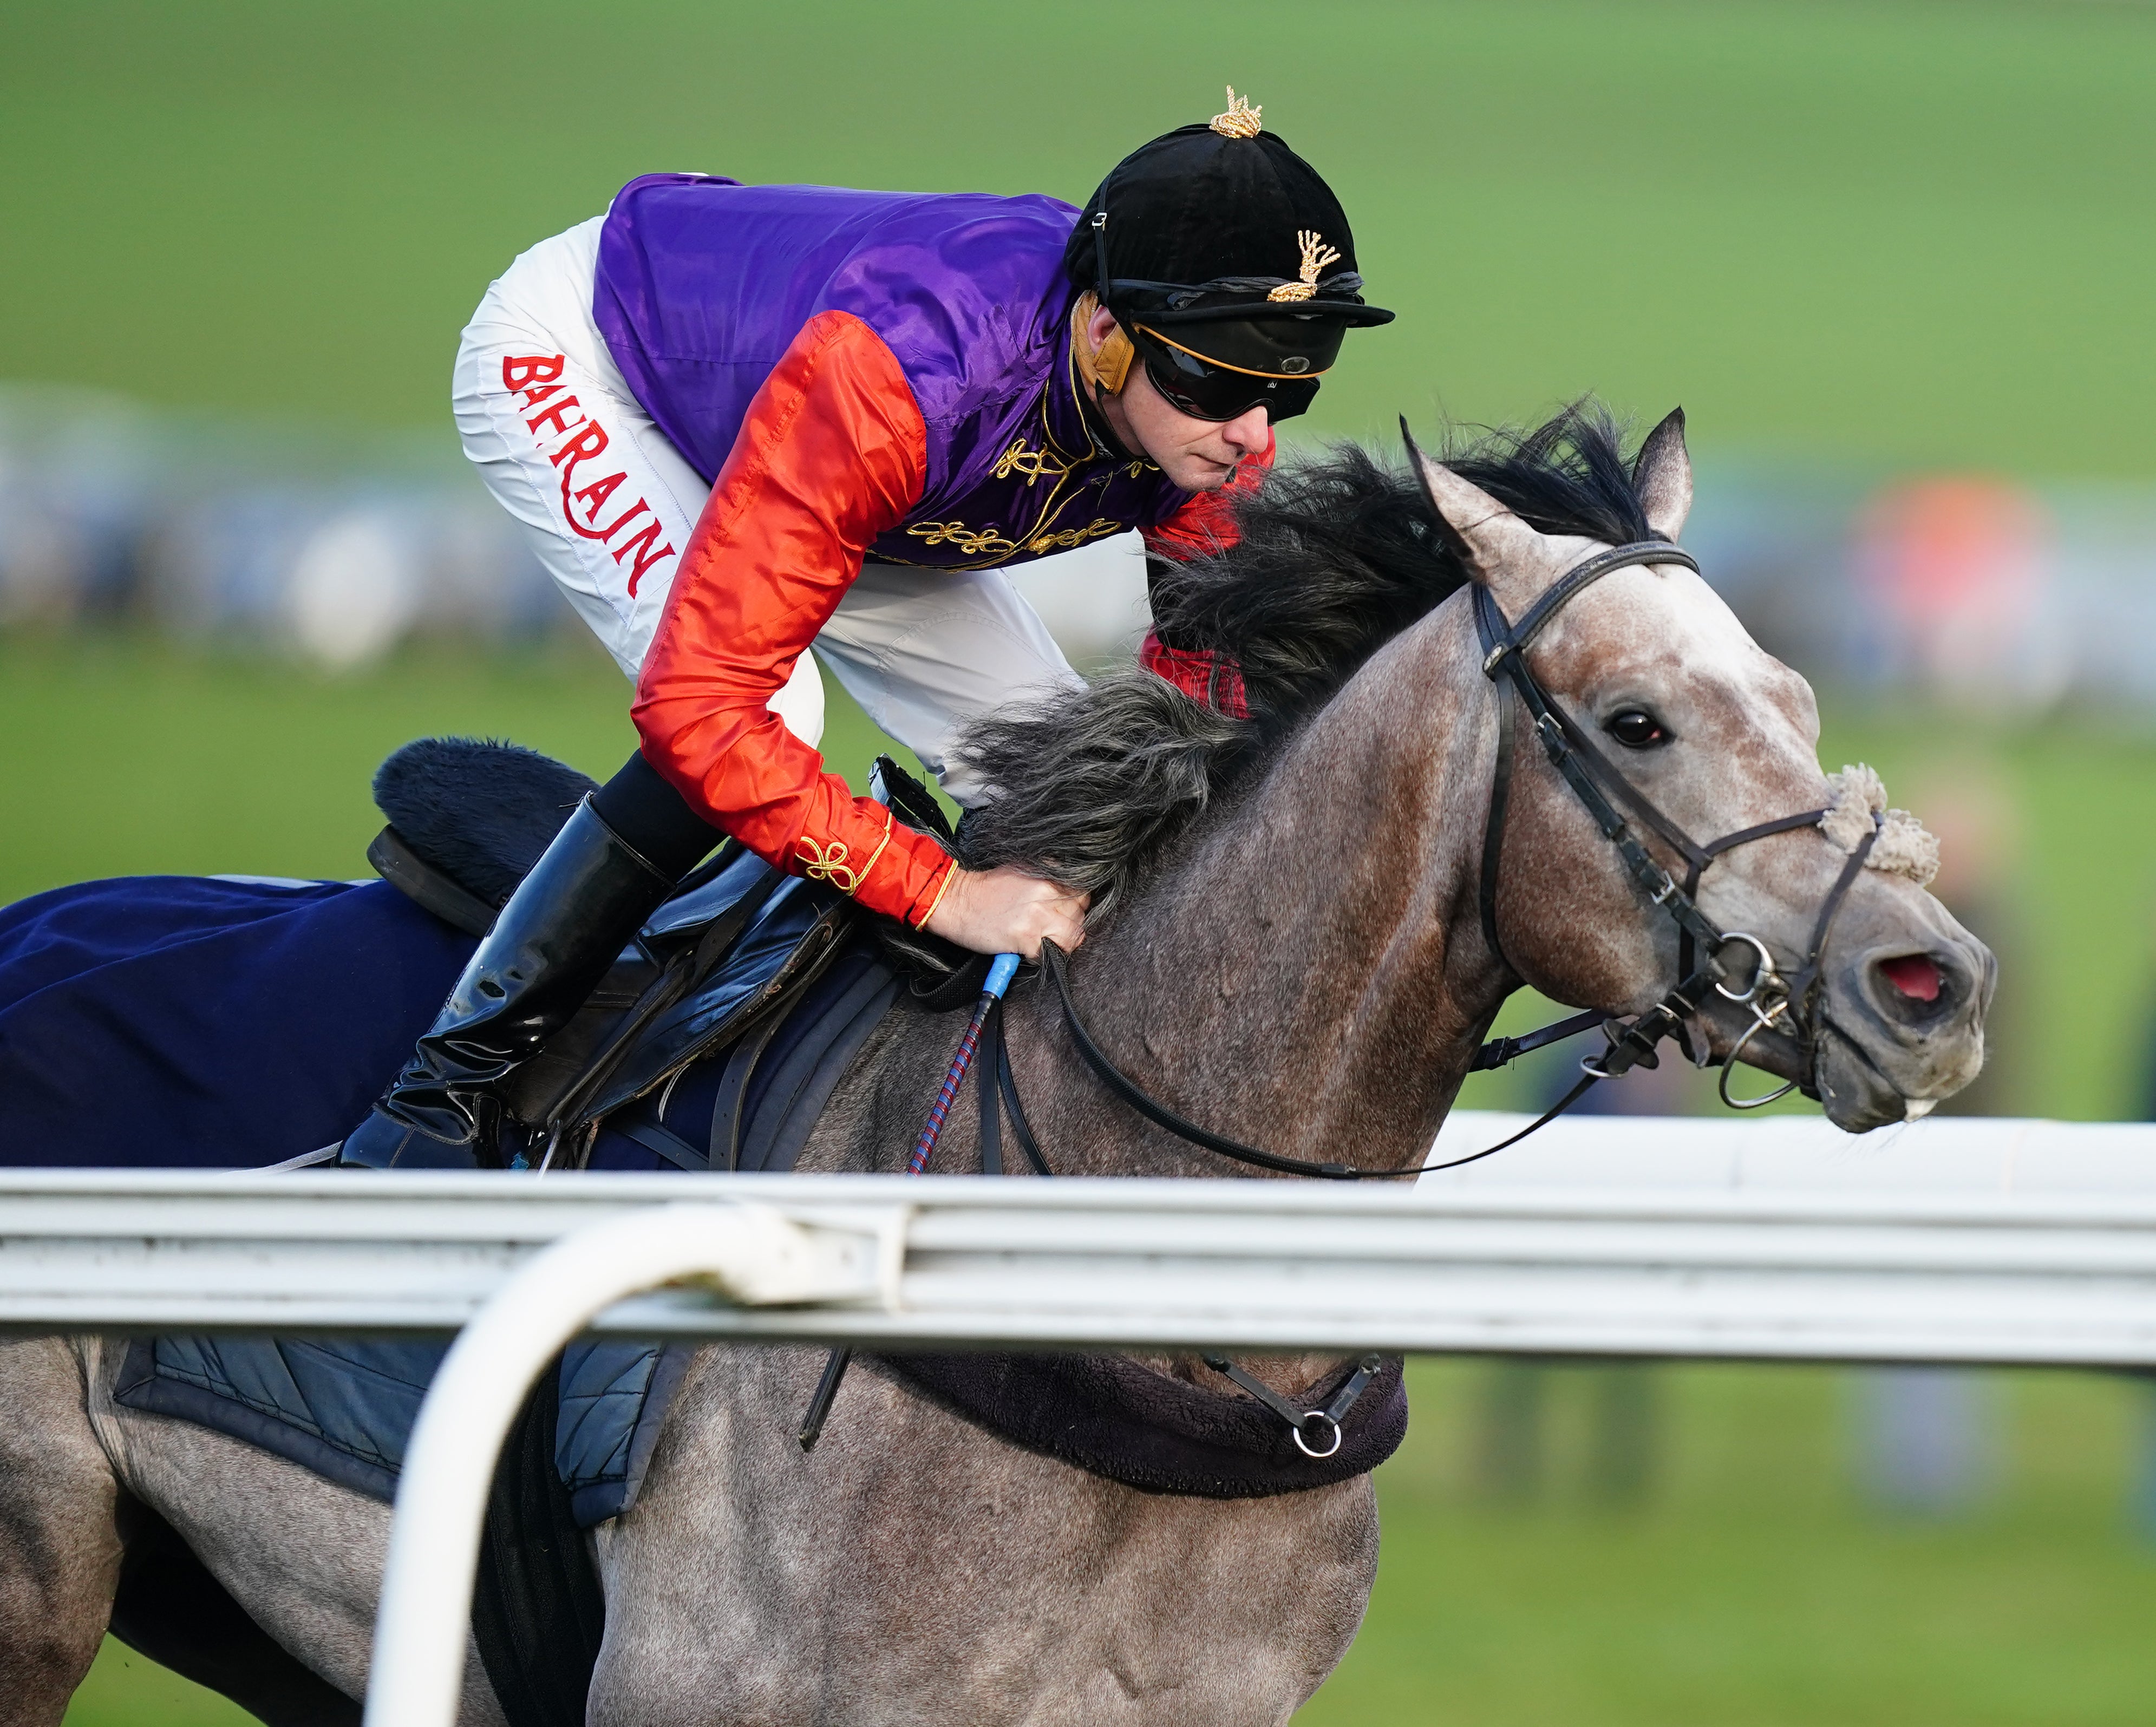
828 863
1033 463
971 542
1066 471
1316 255
1070 538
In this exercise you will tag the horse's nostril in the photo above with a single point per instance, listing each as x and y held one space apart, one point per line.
1914 975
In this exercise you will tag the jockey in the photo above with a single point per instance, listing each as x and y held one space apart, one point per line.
738 423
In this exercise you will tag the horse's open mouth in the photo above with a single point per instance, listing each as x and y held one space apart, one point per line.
1855 1093
1852 1089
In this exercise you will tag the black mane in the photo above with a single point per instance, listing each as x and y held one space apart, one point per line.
1336 558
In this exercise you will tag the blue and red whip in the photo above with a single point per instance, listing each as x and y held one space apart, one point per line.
1000 973
1001 970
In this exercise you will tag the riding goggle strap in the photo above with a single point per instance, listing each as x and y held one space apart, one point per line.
1213 390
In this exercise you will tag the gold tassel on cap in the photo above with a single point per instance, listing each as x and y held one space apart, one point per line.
1316 255
1240 120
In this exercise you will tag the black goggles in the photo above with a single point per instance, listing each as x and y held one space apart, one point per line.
1208 390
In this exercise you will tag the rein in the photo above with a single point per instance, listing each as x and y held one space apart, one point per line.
1778 1003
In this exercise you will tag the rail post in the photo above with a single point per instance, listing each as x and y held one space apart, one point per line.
751 1254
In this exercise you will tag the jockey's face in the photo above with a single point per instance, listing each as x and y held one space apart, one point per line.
1196 455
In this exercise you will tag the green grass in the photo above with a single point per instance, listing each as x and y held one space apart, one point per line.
1750 1588
125 1689
1912 233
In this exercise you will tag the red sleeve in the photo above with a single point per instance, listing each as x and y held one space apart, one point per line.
832 453
1207 523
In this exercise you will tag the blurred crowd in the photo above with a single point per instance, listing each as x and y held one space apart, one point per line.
334 549
1966 589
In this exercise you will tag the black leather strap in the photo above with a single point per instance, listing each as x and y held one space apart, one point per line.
1311 1423
1800 986
1129 1090
733 1089
435 890
989 1094
657 1136
1493 826
1008 1085
1567 588
1502 1052
1696 856
1765 830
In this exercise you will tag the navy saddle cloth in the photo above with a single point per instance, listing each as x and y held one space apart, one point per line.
133 1032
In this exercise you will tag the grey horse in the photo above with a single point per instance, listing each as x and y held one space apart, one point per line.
1287 946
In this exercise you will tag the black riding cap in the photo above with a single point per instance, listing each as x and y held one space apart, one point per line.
1221 241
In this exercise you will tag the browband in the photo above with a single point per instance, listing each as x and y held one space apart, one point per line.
1515 637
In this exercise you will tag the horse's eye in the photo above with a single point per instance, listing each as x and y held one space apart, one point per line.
1636 729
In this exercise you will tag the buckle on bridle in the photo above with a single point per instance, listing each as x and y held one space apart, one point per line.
1637 1038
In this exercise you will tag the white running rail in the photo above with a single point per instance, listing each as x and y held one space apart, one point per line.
2004 1241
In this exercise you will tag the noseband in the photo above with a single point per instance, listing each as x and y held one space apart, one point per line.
1787 1004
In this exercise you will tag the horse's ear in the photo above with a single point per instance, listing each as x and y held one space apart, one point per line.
1488 537
1662 474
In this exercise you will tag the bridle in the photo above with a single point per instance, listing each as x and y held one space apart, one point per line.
1787 1004
1601 787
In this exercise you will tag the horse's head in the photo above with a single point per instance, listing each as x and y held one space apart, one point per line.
1885 1012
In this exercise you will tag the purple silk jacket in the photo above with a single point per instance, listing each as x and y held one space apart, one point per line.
703 282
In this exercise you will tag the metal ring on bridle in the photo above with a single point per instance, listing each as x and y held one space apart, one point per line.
1760 1023
1765 972
1310 1419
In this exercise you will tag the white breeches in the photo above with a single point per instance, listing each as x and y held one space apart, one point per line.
922 651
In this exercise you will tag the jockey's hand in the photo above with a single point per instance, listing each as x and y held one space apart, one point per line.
1005 911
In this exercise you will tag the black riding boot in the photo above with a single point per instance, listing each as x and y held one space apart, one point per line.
585 897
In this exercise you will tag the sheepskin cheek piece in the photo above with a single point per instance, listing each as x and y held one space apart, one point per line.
1904 847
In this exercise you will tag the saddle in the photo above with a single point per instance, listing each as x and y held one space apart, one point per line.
783 977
